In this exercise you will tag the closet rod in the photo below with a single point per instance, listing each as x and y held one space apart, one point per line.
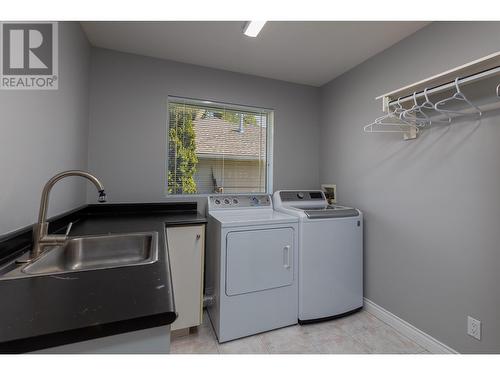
449 85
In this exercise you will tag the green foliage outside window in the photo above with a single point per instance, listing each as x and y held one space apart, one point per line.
182 150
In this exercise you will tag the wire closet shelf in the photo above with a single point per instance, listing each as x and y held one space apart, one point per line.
439 99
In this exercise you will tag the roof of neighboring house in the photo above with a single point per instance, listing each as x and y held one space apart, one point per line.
216 137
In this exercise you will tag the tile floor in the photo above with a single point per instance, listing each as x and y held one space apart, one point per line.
360 333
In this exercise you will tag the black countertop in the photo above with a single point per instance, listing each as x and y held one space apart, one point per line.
43 311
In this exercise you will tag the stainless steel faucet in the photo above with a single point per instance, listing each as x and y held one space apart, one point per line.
41 238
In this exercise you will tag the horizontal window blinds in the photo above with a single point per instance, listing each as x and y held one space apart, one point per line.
216 148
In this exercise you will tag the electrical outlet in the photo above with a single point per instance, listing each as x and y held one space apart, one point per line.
474 327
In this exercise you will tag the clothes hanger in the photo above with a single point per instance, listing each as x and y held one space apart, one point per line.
393 121
427 104
398 111
415 114
457 96
391 128
395 114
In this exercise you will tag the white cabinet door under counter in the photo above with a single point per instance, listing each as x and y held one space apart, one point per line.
186 247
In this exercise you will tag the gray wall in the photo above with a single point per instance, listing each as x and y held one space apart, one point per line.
432 209
128 115
44 132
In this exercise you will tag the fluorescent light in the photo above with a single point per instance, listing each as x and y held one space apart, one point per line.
252 28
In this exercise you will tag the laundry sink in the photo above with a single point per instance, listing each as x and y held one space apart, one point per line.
97 252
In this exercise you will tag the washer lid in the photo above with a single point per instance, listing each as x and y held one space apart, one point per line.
248 217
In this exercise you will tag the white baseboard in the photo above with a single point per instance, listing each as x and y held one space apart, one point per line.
426 341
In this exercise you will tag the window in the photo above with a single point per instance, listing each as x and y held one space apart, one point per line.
218 148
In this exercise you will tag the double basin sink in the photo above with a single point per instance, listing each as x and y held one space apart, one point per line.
88 253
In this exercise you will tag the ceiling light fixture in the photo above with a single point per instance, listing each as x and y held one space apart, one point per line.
252 28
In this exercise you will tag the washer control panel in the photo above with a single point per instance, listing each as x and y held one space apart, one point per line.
239 201
307 195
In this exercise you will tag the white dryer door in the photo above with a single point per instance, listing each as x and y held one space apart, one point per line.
258 260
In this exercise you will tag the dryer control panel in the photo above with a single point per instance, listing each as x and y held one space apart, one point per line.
239 201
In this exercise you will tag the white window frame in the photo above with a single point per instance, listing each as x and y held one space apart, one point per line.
269 142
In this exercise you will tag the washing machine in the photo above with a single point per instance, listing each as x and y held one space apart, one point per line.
330 254
251 266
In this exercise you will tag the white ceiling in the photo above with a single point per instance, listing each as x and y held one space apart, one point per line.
306 52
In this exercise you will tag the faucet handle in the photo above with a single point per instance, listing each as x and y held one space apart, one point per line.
68 229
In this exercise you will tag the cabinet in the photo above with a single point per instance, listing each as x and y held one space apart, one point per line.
186 247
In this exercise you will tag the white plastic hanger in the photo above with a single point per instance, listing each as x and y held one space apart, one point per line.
427 104
460 97
398 111
415 114
391 123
